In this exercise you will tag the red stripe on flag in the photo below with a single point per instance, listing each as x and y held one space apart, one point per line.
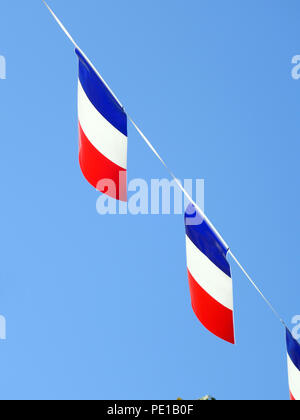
213 315
292 397
96 168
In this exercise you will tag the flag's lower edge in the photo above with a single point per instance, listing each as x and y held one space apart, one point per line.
214 316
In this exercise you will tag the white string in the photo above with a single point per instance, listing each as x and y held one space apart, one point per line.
208 221
152 148
179 184
257 289
80 50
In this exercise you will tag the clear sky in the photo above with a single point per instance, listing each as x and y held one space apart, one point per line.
99 307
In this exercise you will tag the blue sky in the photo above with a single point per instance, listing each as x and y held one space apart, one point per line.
99 307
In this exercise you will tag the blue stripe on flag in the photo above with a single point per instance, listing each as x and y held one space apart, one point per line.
206 240
293 348
100 96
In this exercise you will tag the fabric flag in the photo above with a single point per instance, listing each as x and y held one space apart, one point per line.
293 350
209 276
102 134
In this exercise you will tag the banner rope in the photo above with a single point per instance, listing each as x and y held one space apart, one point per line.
179 184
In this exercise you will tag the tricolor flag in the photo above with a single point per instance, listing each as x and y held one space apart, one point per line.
102 134
209 276
293 350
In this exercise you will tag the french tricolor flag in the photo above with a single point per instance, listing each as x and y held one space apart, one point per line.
293 350
102 134
209 276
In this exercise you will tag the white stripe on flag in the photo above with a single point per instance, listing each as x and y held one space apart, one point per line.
294 379
213 280
104 137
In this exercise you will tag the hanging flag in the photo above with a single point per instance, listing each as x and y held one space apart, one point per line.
102 134
293 350
209 276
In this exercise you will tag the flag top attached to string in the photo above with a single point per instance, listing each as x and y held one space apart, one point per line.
102 134
209 276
